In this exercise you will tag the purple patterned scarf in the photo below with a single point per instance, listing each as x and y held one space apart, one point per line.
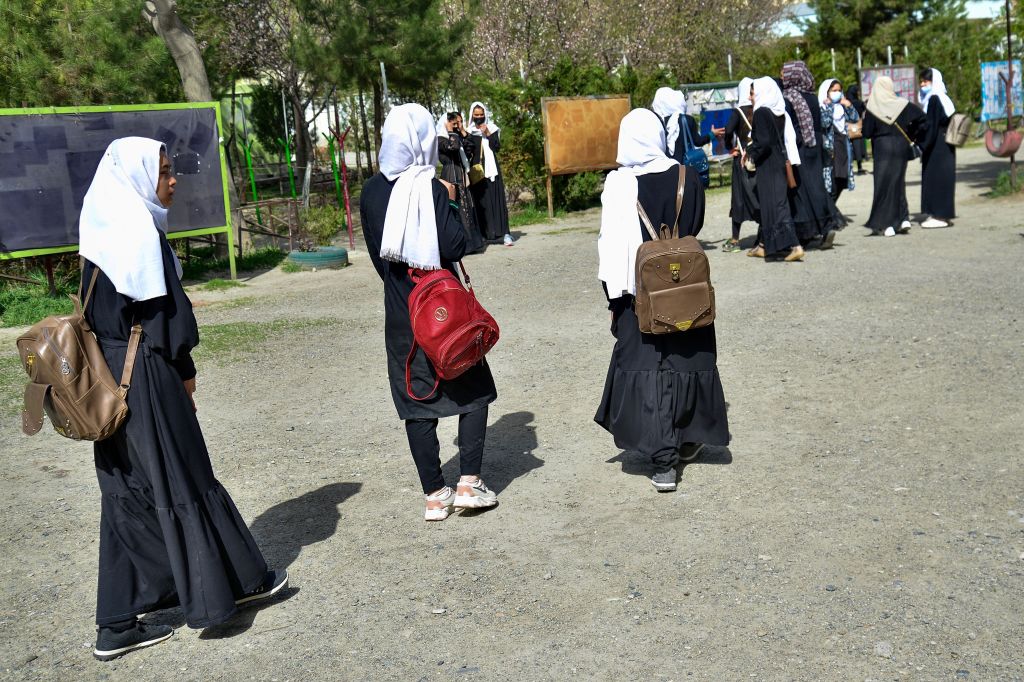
796 80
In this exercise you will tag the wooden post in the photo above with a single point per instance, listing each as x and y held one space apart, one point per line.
1009 91
551 198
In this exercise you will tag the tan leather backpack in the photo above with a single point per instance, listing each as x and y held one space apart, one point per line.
70 379
673 277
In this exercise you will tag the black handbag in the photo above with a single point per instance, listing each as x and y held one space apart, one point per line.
913 152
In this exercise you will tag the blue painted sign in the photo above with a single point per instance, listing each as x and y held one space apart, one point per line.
993 90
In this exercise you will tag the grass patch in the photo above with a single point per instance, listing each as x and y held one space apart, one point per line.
204 262
218 284
25 304
585 229
231 340
531 215
241 302
12 385
1002 188
291 267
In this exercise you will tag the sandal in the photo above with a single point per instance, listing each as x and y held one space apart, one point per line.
731 246
756 252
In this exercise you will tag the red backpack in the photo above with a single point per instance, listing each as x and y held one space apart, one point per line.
448 324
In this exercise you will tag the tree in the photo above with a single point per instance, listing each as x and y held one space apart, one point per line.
345 41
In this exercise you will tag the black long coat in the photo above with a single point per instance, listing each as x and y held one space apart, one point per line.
891 149
938 165
768 151
467 393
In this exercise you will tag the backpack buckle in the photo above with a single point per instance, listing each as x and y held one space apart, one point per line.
674 269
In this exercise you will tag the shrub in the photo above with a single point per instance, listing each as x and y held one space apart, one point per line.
321 223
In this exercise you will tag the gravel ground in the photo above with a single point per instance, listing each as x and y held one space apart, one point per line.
867 522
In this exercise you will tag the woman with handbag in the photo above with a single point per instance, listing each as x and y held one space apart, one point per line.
170 534
770 154
670 106
662 396
737 137
411 220
488 185
838 171
892 123
456 147
938 157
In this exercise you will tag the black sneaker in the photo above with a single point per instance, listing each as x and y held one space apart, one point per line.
273 582
689 451
111 645
664 481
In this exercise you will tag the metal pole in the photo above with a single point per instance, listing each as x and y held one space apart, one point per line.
334 170
344 185
860 59
384 86
889 49
1009 92
730 66
252 179
833 51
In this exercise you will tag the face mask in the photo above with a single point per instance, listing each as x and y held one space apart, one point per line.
478 120
835 96
925 90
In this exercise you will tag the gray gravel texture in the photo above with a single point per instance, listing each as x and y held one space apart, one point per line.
867 522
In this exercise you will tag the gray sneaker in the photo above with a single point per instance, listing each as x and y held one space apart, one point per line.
664 481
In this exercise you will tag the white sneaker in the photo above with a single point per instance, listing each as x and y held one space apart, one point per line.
446 496
509 240
889 232
475 495
934 222
904 227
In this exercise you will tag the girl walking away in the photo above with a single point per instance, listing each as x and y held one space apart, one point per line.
768 151
858 146
891 123
411 220
489 192
170 534
814 212
670 106
938 159
456 147
663 396
838 153
737 137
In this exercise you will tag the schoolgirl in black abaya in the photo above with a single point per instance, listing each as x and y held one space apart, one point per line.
663 396
169 532
670 106
489 193
411 220
938 158
859 147
770 151
456 147
736 136
814 212
891 123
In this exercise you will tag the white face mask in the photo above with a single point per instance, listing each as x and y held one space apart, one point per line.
835 96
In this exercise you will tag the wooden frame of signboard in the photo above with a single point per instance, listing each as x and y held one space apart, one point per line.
569 146
223 229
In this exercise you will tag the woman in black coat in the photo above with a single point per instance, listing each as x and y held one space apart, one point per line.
456 148
663 396
737 136
860 148
411 220
489 191
938 158
891 123
170 534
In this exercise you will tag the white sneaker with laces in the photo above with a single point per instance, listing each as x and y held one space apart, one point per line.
904 227
446 496
934 222
889 232
509 240
475 495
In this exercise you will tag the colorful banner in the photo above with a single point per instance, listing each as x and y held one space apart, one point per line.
904 80
993 90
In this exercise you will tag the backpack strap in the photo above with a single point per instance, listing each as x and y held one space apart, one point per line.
129 359
408 376
81 303
750 129
645 219
684 123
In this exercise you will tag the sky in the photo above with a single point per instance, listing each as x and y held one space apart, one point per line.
790 26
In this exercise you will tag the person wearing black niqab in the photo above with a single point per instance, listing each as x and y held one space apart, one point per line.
170 534
410 220
456 147
663 396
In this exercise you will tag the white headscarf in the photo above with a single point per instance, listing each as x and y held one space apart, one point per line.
441 127
490 164
670 104
767 94
838 110
743 92
641 151
122 217
939 90
408 152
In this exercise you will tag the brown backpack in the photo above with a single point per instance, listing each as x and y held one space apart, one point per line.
673 277
69 377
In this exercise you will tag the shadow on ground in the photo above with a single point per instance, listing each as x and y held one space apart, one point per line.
636 464
509 452
281 532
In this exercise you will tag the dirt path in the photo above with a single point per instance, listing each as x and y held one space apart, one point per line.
867 522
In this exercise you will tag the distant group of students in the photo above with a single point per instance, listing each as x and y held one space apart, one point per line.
170 534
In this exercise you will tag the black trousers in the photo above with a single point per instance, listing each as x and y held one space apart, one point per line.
426 452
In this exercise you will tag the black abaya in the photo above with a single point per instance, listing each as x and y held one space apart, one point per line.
450 150
472 390
769 155
938 165
889 200
169 532
744 205
489 195
813 210
663 390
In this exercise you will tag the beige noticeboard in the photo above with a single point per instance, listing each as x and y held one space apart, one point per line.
582 133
